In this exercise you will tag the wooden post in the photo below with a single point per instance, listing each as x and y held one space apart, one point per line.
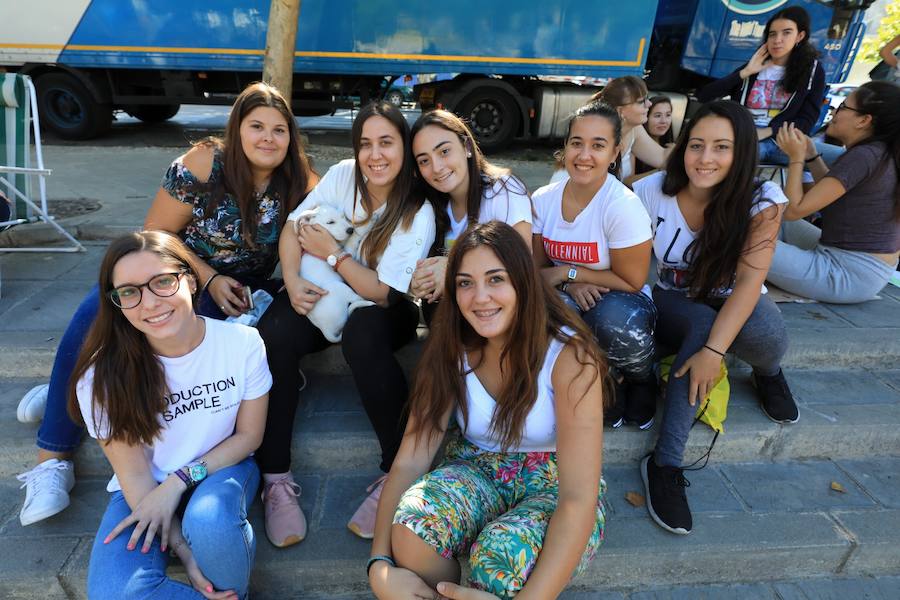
281 42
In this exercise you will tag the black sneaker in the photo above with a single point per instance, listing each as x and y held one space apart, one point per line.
666 500
613 414
775 397
640 405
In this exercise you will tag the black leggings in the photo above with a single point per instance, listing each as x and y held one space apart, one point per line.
371 336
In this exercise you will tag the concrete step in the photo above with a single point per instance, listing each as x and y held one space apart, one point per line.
843 414
754 523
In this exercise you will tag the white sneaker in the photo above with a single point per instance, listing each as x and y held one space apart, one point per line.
32 405
47 488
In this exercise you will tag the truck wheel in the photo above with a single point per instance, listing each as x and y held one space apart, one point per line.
67 107
152 113
493 117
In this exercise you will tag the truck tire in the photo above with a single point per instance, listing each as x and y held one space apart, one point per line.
152 113
493 117
68 108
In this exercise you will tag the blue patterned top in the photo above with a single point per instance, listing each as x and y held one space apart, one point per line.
217 240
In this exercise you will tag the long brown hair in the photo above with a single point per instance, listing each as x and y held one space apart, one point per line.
483 174
622 90
129 384
540 316
290 179
720 244
405 198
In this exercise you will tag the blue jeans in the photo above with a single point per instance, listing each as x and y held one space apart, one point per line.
771 154
623 325
58 433
801 265
684 324
215 526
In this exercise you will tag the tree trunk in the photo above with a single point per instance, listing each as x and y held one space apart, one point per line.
281 41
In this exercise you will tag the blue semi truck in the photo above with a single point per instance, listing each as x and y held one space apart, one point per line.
518 64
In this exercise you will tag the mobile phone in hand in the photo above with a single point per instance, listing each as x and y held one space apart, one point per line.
248 297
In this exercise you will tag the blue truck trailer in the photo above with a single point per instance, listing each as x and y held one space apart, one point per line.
517 62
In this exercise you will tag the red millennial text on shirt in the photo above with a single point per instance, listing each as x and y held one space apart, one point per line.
572 252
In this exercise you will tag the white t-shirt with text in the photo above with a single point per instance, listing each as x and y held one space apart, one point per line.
614 219
673 240
206 387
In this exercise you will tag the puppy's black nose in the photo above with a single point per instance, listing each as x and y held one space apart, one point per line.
349 231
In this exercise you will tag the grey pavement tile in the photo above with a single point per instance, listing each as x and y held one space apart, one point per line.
889 376
35 559
708 492
341 496
42 266
342 423
880 477
840 387
576 594
82 517
877 533
890 290
848 431
708 592
88 269
865 588
798 316
48 311
16 291
331 393
721 548
796 486
874 313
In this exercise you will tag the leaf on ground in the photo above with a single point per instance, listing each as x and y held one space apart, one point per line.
838 487
635 499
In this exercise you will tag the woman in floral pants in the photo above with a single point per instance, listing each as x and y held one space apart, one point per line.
523 379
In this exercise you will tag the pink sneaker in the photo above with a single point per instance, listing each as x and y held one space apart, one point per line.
362 523
285 523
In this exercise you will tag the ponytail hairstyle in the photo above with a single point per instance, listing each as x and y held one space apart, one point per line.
483 175
596 108
881 100
290 179
540 316
726 220
622 90
129 384
799 66
405 198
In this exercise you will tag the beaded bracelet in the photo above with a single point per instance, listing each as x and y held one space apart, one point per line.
376 558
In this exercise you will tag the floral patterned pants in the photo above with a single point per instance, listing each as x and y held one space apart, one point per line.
496 507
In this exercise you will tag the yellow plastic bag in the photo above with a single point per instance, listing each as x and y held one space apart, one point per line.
714 409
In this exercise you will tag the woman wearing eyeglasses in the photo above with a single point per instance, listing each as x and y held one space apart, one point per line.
852 257
629 96
178 403
227 199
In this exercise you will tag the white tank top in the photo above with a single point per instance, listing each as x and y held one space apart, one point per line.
540 424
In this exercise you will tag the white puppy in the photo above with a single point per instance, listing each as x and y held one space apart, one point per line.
330 313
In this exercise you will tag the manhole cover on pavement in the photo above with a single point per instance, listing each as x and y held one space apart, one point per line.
72 207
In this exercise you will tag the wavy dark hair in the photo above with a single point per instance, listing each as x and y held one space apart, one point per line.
726 219
799 66
667 138
622 90
540 316
405 198
595 108
289 181
881 100
129 383
483 174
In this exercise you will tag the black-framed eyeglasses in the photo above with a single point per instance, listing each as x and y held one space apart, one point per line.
162 285
843 106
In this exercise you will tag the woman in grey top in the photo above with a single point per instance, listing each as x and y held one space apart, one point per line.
854 254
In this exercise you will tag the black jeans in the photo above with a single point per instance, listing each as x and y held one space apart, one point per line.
371 336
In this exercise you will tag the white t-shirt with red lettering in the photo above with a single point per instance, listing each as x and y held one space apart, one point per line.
614 219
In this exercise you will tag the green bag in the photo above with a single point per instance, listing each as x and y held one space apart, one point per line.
714 409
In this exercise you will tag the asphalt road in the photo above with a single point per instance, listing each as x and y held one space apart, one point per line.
194 122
